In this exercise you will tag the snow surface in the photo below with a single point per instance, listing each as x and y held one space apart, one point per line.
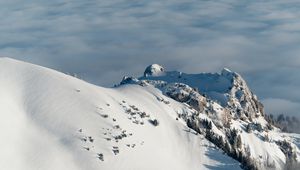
54 121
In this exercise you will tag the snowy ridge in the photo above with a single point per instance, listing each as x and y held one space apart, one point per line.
163 120
54 121
228 114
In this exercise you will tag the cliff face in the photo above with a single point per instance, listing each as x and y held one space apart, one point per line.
240 98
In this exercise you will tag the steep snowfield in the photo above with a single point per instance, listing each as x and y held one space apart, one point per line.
53 121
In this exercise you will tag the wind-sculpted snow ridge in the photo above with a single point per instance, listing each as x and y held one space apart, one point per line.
228 114
50 120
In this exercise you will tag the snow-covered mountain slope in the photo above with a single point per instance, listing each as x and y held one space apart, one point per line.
227 113
50 120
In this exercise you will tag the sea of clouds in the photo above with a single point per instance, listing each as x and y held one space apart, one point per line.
101 40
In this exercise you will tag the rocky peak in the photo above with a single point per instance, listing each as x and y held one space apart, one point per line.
228 73
241 97
222 107
129 80
227 88
154 70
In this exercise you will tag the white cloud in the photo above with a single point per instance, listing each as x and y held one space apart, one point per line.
103 39
281 106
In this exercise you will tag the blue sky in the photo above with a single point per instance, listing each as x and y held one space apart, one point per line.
103 40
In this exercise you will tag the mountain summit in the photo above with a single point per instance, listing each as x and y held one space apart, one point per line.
154 70
162 120
228 114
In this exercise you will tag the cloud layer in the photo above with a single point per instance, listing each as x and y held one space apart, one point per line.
101 40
